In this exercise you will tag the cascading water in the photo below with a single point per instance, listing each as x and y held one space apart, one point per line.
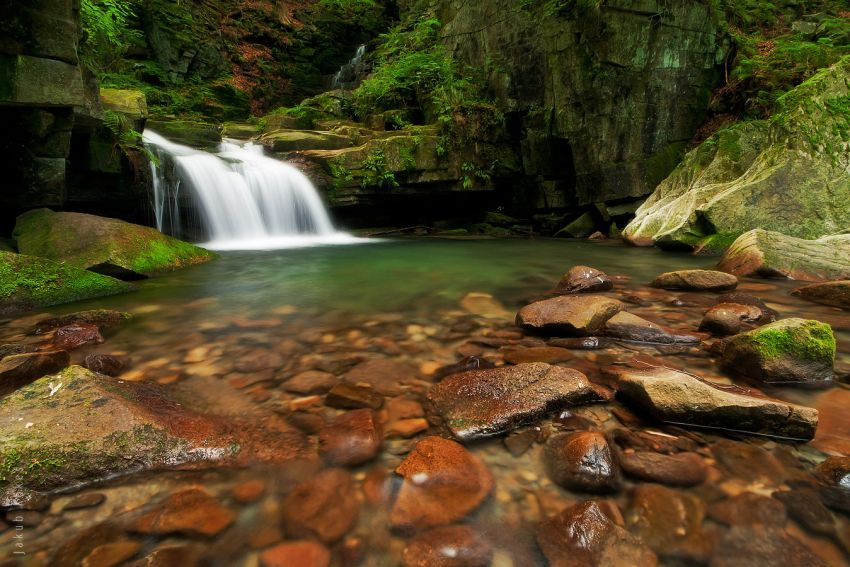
245 199
349 71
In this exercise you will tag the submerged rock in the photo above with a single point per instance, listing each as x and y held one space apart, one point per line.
731 319
483 403
300 553
629 327
583 461
775 255
345 395
443 482
696 280
681 469
324 507
103 318
450 546
670 522
191 511
104 245
573 315
352 438
681 398
77 335
789 351
836 294
591 534
105 364
584 279
20 369
758 545
29 282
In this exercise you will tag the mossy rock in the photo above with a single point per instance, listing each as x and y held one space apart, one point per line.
131 103
788 174
581 227
29 282
789 351
103 245
79 426
240 130
190 133
295 140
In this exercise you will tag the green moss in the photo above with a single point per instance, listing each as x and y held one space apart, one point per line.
812 340
158 255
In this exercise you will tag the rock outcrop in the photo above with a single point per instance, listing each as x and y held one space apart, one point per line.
788 174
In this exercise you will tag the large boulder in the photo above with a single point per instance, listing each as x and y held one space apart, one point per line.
787 174
575 315
773 254
483 403
789 352
103 245
681 398
29 282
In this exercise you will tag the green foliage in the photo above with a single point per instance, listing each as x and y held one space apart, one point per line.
106 33
377 172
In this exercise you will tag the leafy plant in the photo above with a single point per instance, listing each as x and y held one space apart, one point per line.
106 33
377 172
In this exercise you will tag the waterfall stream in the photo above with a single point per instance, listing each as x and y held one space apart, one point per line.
245 199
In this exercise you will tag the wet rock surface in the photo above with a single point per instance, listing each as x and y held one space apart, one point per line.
443 482
301 553
346 395
630 327
682 398
324 508
482 403
450 546
583 461
192 511
681 469
77 335
754 546
570 315
352 438
836 294
584 279
696 280
731 319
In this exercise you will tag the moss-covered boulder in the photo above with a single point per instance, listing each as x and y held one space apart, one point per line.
130 103
292 140
190 133
772 254
788 174
29 282
103 245
790 351
78 426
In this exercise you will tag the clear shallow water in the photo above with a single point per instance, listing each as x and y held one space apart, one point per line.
328 308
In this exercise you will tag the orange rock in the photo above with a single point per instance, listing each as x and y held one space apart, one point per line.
296 554
324 508
191 511
249 491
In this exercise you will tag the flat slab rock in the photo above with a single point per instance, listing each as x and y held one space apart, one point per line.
571 315
696 280
482 403
681 398
630 327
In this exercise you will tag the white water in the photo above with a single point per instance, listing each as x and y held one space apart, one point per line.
247 201
351 65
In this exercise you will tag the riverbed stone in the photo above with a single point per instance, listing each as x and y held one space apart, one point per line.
584 279
105 364
310 382
630 327
696 280
805 507
669 521
296 553
103 318
483 403
681 469
30 282
758 545
192 511
681 398
731 319
571 315
74 336
836 294
835 471
448 546
789 352
324 507
20 369
583 461
385 375
351 438
443 482
103 245
775 255
591 534
749 508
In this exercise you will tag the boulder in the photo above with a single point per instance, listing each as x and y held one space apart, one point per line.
574 315
786 174
130 103
775 255
836 294
449 546
584 279
696 280
582 227
28 282
630 327
681 398
443 482
483 403
80 427
103 245
591 534
788 351
583 461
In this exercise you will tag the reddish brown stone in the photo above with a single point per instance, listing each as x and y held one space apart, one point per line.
681 469
583 461
310 382
105 364
171 556
449 546
351 438
76 336
584 279
548 354
346 395
731 319
385 375
572 315
296 554
443 482
696 280
748 509
324 507
249 491
111 554
190 511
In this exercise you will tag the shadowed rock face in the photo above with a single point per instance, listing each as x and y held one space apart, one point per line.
836 294
483 403
681 398
572 315
630 327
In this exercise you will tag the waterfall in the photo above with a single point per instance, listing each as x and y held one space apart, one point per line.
348 72
245 199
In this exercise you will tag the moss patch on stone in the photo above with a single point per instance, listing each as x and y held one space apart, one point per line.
812 340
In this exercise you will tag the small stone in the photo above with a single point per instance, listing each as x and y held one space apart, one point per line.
571 315
87 500
352 438
730 319
105 364
805 507
385 375
449 546
682 469
406 428
758 545
345 395
443 482
75 336
296 554
324 507
309 423
669 521
749 508
696 280
249 491
190 511
258 360
583 461
111 554
518 442
547 354
102 318
20 369
484 305
584 279
310 382
403 408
